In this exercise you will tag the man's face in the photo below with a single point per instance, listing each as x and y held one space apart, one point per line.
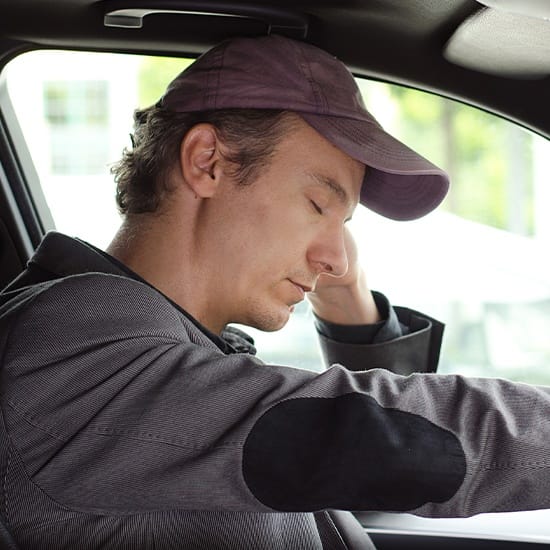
279 233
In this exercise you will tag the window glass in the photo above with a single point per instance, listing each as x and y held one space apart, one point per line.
479 263
76 117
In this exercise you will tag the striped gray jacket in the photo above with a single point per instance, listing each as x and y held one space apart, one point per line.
125 425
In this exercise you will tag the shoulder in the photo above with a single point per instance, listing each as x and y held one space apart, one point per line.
89 305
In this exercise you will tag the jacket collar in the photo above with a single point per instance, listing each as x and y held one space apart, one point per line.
62 256
65 256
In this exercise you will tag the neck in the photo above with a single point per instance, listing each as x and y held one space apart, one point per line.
167 256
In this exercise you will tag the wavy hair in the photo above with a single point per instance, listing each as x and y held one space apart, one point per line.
142 175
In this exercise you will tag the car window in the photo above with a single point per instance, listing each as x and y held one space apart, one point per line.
479 263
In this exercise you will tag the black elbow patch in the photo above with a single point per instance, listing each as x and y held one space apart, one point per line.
349 453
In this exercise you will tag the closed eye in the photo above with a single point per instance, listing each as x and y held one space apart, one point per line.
318 209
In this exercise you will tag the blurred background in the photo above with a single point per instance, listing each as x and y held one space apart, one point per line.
480 263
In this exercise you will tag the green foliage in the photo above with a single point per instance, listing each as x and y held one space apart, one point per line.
155 73
487 158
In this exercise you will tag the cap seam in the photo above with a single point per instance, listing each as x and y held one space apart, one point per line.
320 99
379 146
211 98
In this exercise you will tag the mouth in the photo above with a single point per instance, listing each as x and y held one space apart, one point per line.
301 289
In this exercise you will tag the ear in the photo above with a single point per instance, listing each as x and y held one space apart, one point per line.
200 160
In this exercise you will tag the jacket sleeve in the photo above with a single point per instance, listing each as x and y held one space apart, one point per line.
406 341
116 403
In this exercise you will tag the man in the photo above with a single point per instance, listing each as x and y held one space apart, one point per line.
133 417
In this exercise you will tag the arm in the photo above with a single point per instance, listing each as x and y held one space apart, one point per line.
152 416
360 329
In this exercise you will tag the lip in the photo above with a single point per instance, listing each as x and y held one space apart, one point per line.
301 288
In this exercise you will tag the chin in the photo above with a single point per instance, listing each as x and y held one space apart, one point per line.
272 327
270 320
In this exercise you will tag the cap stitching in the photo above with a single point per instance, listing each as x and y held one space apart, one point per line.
211 96
320 99
353 134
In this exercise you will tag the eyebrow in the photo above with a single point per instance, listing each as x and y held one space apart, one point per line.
334 186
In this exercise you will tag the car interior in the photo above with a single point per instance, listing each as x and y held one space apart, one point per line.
465 82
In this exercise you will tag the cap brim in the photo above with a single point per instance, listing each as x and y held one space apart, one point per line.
399 183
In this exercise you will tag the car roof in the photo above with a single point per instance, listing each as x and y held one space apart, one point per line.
464 49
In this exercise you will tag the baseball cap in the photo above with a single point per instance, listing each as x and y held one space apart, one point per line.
275 72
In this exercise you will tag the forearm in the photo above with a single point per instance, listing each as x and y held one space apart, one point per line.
404 341
436 446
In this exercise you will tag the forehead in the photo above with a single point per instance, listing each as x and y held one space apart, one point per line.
324 163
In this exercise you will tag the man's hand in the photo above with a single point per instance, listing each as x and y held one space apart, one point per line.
345 300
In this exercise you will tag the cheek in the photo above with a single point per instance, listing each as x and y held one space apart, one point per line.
275 229
269 241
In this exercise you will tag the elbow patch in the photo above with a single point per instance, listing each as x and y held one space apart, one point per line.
349 453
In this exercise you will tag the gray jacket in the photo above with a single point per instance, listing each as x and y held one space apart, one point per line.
126 425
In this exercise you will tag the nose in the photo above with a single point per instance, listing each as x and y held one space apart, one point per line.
328 253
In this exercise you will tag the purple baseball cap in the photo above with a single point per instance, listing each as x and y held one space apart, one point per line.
274 72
